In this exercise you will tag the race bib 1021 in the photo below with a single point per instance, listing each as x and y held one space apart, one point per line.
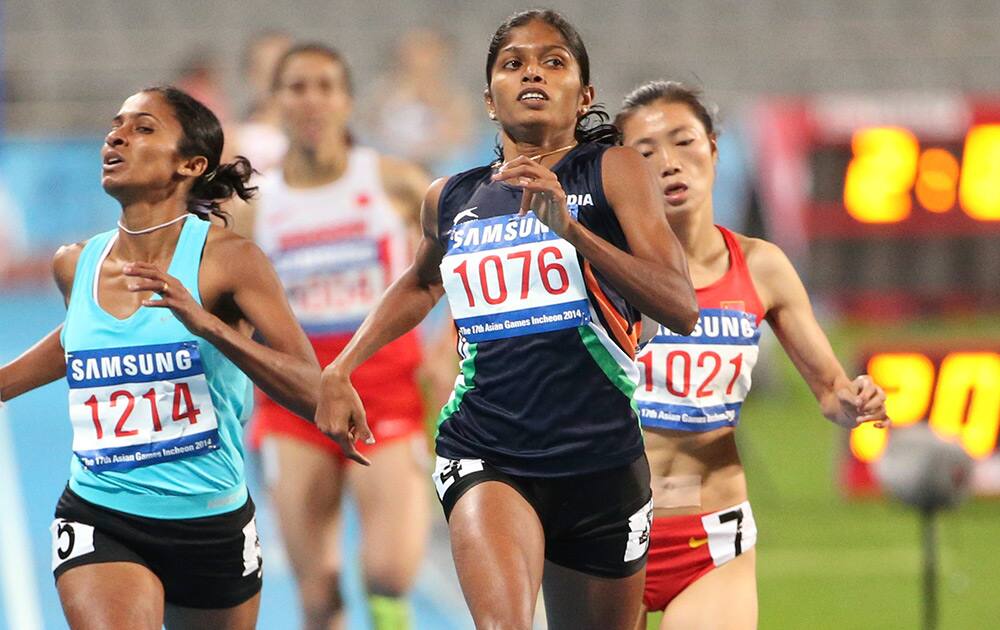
509 276
138 406
698 382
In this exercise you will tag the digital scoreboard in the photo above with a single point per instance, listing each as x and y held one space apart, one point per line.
954 387
888 203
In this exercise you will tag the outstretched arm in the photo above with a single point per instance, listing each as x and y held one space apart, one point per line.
45 361
42 364
844 401
403 306
653 275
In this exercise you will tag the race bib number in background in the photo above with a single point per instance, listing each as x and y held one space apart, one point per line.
509 276
138 406
731 532
332 286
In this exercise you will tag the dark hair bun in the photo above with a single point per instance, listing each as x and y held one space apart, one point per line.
225 181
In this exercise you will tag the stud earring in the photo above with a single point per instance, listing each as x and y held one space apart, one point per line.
493 115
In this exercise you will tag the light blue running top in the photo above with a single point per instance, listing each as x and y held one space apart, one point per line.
157 412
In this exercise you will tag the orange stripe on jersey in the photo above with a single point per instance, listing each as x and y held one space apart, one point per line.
619 327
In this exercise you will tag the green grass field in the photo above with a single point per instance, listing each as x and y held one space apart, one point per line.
829 562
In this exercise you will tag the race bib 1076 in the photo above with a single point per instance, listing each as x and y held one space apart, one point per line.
140 405
509 276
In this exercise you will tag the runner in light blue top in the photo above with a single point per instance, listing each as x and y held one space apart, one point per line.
157 348
167 442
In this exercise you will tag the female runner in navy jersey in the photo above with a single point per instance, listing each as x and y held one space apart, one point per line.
547 257
156 527
691 387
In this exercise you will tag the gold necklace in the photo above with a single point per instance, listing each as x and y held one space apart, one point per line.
538 157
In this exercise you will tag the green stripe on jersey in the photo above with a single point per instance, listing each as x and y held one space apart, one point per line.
609 365
468 369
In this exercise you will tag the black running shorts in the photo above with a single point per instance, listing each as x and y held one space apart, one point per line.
209 562
596 523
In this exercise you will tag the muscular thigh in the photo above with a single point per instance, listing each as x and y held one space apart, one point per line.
498 546
578 601
725 598
111 595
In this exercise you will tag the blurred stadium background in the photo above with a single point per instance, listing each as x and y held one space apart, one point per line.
864 137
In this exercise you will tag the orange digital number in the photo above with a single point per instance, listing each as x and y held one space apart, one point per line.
979 188
965 403
908 381
937 181
967 400
887 166
881 174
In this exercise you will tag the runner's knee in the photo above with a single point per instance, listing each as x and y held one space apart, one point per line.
504 620
321 595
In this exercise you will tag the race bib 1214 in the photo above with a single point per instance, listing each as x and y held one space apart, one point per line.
140 405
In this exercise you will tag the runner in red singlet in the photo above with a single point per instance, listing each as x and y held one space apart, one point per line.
338 220
701 557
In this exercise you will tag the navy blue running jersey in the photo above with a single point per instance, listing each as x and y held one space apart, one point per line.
546 344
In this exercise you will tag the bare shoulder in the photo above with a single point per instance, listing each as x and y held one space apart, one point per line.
64 266
772 272
433 195
232 261
228 249
763 257
429 208
622 160
626 178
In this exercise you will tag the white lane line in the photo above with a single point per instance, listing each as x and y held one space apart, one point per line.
17 573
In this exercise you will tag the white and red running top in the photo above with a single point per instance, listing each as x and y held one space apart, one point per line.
336 247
